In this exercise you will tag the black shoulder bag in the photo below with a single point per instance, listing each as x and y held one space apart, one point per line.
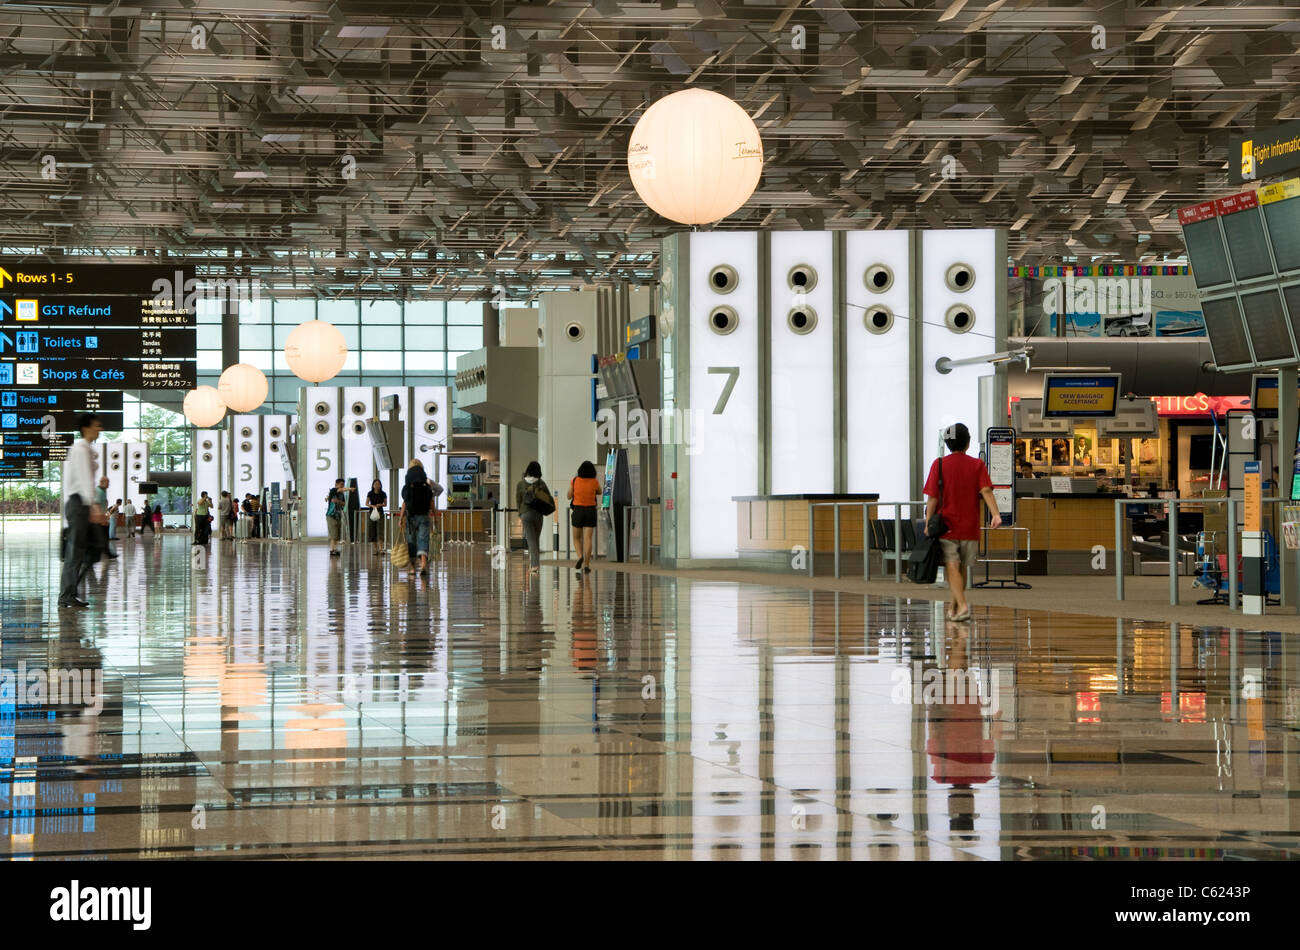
923 565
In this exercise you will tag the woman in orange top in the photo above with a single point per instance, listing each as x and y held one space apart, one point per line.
584 489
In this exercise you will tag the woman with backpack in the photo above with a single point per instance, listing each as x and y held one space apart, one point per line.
534 502
584 491
417 508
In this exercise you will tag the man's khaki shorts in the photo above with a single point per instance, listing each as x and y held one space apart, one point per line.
964 551
335 528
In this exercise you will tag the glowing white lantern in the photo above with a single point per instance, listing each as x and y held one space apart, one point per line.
315 351
242 387
203 407
695 157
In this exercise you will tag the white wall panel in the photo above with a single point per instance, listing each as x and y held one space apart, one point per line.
318 430
802 406
358 458
275 429
876 374
724 456
954 397
245 455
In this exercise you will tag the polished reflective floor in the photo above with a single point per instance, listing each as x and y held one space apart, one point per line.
274 702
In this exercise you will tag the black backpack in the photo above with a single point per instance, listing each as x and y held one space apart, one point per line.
418 498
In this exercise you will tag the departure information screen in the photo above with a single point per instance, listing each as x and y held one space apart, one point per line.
1205 253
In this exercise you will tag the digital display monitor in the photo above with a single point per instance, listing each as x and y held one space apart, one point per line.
462 481
1266 323
1206 254
1291 294
1283 220
1244 232
1227 333
1090 396
463 466
1263 396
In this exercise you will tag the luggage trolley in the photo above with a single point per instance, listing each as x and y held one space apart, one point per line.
1209 573
1015 562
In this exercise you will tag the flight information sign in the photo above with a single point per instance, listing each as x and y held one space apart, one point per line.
46 342
63 420
60 311
135 280
71 373
30 401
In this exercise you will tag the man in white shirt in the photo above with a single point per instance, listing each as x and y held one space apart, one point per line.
79 508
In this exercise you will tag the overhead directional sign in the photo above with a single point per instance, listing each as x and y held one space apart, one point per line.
86 374
32 401
136 280
12 441
62 420
24 470
40 453
62 311
46 342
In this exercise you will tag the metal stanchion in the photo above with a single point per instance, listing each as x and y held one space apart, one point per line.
835 514
1173 553
1120 507
1232 554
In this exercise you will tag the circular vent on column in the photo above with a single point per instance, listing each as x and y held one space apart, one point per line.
207 444
322 408
115 466
358 408
245 432
358 428
723 320
322 427
801 320
245 446
275 447
723 279
430 408
802 278
136 466
574 331
207 456
959 318
275 432
430 426
878 278
960 277
878 319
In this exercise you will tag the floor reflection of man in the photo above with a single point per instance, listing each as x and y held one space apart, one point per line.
960 755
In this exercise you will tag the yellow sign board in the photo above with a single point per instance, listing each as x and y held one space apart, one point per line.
1279 191
1252 502
1080 399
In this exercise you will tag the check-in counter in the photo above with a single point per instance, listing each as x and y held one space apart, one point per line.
772 528
1063 530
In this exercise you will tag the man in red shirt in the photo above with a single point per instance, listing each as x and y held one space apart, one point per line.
965 482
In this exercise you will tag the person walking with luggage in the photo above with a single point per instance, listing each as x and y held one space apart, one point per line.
337 500
225 523
584 490
376 500
80 509
417 508
203 519
953 491
128 515
105 530
113 512
534 502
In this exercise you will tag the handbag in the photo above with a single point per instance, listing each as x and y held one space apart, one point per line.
541 500
923 563
400 555
936 527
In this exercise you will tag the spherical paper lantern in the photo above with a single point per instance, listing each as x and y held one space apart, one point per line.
203 407
242 387
315 351
695 156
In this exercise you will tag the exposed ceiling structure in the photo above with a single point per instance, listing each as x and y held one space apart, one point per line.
361 147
